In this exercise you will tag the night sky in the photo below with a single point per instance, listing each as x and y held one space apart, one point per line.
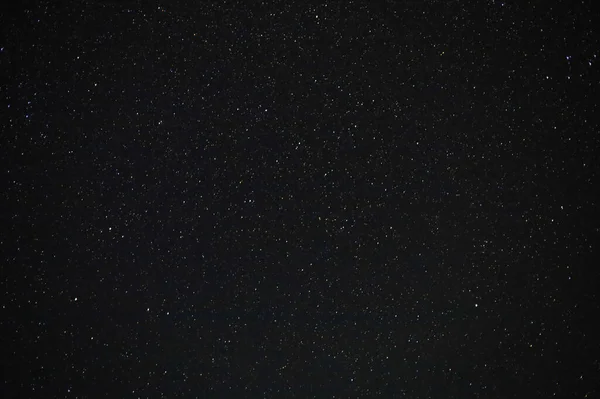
276 199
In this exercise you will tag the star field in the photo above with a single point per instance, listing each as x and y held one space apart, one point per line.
278 199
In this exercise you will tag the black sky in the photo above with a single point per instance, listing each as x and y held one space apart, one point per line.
277 199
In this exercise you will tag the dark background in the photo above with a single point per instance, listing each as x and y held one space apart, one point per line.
273 199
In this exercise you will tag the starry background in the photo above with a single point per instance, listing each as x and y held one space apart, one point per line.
276 199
